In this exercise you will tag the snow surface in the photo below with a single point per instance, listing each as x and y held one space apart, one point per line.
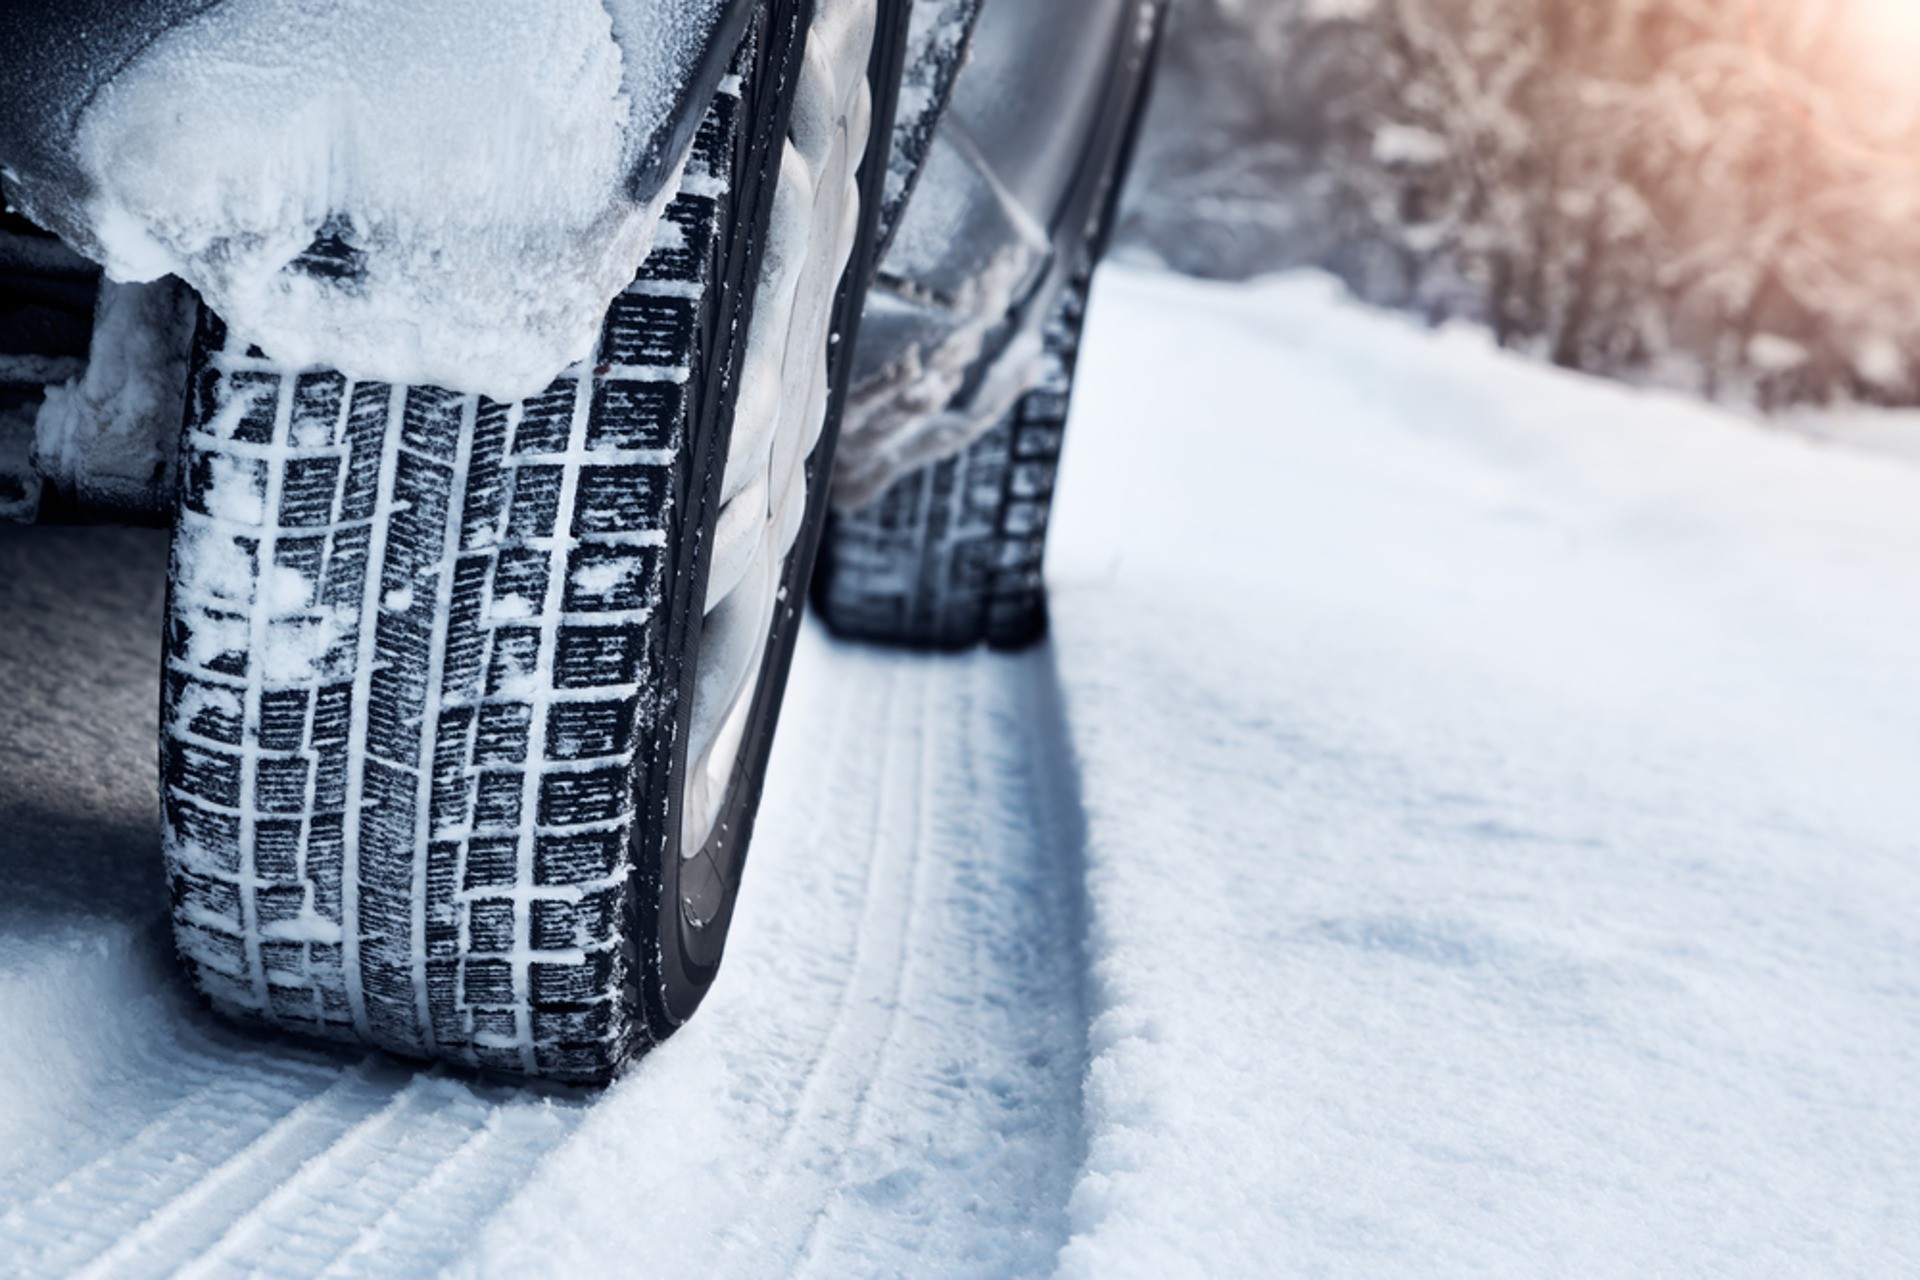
1464 822
1891 431
477 155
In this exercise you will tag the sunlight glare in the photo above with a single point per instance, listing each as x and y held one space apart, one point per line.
1888 32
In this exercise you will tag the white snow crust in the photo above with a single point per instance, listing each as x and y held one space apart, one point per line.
1463 824
476 153
109 431
1500 802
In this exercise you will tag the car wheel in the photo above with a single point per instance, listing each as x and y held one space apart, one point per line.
949 554
467 704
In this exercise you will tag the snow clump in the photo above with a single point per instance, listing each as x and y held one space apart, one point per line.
416 191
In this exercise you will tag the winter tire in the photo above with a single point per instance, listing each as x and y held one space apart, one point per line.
467 705
950 555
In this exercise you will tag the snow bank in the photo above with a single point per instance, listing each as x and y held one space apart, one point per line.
407 190
1501 810
1895 432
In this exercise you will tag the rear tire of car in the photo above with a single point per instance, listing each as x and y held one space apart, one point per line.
432 660
951 555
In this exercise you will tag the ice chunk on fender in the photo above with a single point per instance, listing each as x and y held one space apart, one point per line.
434 191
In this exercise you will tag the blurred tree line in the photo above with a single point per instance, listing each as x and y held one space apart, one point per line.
1703 193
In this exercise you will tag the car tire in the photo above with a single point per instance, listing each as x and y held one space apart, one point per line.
950 555
433 662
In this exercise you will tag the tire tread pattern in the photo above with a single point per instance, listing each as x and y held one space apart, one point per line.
951 555
384 823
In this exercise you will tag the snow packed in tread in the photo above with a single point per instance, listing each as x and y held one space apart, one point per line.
429 555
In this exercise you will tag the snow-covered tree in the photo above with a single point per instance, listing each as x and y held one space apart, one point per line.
1717 193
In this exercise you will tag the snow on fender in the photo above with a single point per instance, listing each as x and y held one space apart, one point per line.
411 191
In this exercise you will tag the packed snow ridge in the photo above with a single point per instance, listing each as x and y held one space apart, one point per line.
417 191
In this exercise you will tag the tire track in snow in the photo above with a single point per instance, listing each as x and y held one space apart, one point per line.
355 1208
82 1216
197 1196
839 1083
830 1064
954 1132
288 1167
886 1078
434 1223
158 1140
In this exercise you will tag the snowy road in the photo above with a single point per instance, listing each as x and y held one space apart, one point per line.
911 1038
1466 821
